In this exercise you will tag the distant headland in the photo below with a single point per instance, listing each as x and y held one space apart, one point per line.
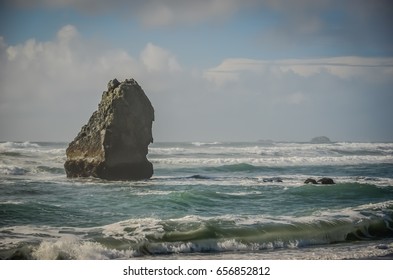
321 140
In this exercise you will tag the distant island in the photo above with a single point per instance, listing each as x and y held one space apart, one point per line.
320 140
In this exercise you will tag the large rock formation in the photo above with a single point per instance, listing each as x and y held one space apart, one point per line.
114 143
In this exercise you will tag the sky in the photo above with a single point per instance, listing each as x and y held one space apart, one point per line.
214 70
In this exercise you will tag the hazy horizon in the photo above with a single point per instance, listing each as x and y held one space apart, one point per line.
208 142
214 70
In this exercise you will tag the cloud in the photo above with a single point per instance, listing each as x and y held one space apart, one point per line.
149 12
352 27
49 86
158 59
342 67
163 13
287 28
343 97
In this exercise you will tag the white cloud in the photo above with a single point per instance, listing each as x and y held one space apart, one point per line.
48 90
67 33
342 67
60 81
158 59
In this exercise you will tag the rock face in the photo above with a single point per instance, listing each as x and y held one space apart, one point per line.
114 143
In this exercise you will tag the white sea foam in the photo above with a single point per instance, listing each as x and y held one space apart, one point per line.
340 251
140 228
198 144
167 151
276 155
30 149
12 170
271 161
288 182
229 181
278 148
70 248
74 248
154 192
12 202
240 193
18 145
31 159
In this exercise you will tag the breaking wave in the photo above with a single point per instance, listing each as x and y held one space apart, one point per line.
196 234
204 198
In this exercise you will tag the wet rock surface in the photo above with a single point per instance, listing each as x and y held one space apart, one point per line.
323 181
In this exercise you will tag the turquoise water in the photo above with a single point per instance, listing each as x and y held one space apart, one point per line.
205 200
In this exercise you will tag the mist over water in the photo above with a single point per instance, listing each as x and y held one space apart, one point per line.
205 200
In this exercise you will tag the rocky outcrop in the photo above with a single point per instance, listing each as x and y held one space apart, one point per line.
272 180
326 181
114 143
310 181
323 181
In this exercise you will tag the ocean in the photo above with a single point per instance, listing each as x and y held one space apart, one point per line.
205 201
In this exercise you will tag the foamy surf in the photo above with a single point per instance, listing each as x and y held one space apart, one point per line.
205 200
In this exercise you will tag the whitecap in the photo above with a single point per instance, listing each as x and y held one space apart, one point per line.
76 249
198 144
12 170
26 144
12 202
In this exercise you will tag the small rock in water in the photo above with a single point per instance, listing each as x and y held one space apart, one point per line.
272 180
310 181
323 181
326 181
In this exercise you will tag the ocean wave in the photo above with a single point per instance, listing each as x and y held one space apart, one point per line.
285 149
49 169
18 145
266 177
255 232
76 249
12 202
12 170
30 169
198 144
270 161
188 206
29 149
10 154
167 151
72 248
198 234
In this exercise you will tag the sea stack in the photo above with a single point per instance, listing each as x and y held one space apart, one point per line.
113 145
